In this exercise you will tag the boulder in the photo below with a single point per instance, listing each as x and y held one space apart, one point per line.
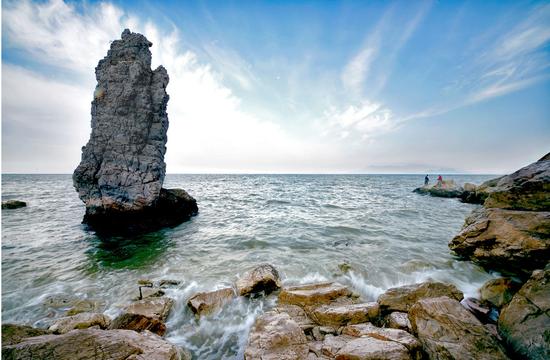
498 292
80 321
338 315
206 302
399 336
275 336
158 308
263 278
370 348
94 344
403 297
298 315
13 204
525 322
313 294
445 188
147 314
139 323
449 331
122 170
398 320
525 189
509 241
13 333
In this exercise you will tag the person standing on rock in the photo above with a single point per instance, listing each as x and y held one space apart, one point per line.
426 180
439 179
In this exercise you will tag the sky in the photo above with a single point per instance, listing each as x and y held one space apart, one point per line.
292 86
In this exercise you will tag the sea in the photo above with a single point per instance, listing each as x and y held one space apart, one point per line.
369 232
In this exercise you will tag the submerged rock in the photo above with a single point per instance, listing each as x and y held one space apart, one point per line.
122 170
263 278
403 297
80 321
94 344
511 241
276 336
449 331
525 322
13 204
14 333
206 302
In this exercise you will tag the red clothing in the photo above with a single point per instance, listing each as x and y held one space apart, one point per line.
439 178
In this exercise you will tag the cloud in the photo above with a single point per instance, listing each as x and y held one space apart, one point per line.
364 121
44 122
208 130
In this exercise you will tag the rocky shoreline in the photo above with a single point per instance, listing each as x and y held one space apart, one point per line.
430 320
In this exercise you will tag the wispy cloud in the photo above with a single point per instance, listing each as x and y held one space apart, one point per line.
364 121
203 110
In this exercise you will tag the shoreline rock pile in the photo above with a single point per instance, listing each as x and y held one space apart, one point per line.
511 233
122 170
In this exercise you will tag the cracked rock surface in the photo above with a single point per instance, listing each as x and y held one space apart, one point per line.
122 168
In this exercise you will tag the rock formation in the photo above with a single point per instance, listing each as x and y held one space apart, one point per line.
122 170
448 331
525 322
511 233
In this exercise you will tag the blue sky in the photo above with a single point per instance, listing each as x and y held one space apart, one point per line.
292 87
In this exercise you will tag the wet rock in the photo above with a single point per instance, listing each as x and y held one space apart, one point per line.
94 344
400 336
206 302
403 297
313 294
332 344
338 315
498 292
525 189
446 188
166 283
13 333
525 322
139 323
481 312
263 278
13 204
147 314
298 315
145 282
158 308
276 336
81 306
122 170
448 331
80 321
149 292
370 348
510 241
398 320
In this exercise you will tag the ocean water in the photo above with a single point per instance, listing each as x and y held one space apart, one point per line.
304 225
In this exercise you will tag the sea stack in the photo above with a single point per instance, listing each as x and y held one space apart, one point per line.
122 170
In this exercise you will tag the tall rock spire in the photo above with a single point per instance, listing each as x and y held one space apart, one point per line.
122 168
